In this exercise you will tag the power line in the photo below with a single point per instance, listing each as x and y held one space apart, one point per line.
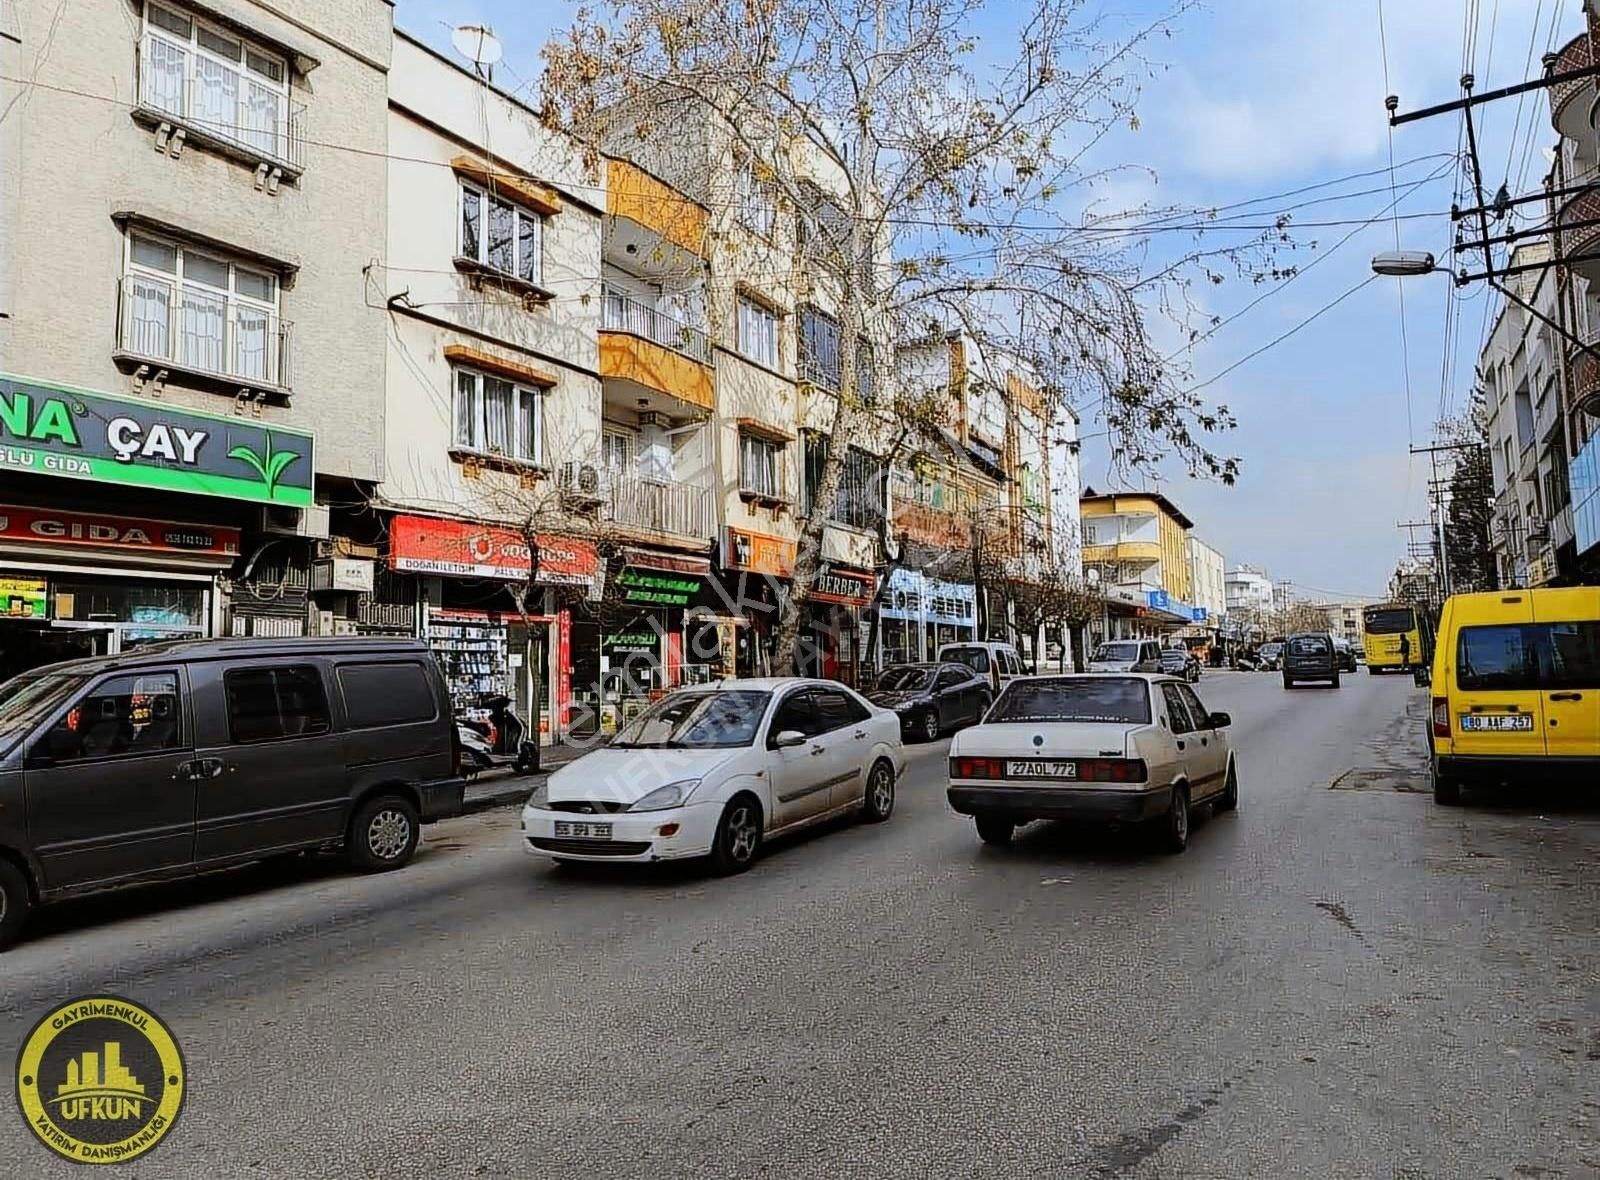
1405 341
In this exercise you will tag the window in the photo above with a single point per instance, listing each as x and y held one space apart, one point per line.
819 359
122 717
698 720
975 658
758 465
950 677
1498 658
859 502
754 199
1197 711
1575 654
834 710
200 310
616 450
386 694
217 83
794 712
758 332
501 236
1177 709
267 704
496 417
1092 699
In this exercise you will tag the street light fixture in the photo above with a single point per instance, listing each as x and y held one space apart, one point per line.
1403 264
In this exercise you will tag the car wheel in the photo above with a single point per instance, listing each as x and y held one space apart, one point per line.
14 903
879 804
1175 824
930 725
1287 683
1446 788
1229 799
738 839
383 834
1336 680
994 829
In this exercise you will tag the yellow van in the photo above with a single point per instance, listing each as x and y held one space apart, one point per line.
1516 689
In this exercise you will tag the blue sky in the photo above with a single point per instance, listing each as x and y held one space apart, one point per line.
1257 97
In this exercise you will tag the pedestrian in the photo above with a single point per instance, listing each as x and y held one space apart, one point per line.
1405 651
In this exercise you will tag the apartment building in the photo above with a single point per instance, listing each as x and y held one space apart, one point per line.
1208 580
190 199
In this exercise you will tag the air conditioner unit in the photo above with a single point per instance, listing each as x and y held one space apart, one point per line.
580 479
310 522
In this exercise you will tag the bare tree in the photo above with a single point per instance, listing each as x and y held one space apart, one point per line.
934 191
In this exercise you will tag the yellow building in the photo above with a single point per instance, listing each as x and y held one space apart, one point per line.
1137 540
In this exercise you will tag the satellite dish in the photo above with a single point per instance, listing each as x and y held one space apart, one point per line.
479 45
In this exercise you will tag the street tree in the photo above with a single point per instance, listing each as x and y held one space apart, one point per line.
943 179
1469 512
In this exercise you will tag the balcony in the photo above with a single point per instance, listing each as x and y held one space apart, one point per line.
666 229
660 507
230 108
1581 238
1569 106
202 332
1585 376
652 353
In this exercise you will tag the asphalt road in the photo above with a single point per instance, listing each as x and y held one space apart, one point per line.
1338 980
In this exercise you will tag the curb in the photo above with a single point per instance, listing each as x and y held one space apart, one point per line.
510 792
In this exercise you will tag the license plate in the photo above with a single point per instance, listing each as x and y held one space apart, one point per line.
583 831
1035 769
1497 722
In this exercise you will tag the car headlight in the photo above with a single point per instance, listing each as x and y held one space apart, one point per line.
540 796
669 796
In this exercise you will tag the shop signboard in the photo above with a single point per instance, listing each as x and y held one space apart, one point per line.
758 553
660 579
844 587
951 603
48 429
432 545
23 598
102 531
634 640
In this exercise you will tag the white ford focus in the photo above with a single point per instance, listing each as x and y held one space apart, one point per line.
714 771
1128 747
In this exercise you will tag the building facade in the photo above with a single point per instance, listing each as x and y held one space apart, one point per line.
1207 576
192 375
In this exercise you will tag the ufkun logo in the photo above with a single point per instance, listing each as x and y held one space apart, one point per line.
99 1086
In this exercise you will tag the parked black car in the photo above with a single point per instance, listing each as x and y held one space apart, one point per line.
1180 661
932 698
184 757
1310 656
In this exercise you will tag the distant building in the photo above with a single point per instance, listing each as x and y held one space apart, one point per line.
1208 579
1246 588
1344 619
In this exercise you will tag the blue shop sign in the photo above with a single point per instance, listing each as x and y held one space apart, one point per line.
916 598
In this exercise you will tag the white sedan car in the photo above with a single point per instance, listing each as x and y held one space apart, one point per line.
714 771
1123 747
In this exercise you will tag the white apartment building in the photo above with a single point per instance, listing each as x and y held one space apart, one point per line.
1246 588
1207 579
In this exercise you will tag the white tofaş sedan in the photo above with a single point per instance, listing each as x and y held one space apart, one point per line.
714 771
1124 747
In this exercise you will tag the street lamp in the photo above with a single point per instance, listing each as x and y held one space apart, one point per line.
1402 264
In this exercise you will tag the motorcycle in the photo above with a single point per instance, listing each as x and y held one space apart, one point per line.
491 734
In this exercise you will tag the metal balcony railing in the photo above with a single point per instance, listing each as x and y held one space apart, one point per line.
623 312
220 100
1574 55
659 506
202 331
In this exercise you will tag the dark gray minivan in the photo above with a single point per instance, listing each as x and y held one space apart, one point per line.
179 758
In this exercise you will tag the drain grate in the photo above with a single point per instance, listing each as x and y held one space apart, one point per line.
1395 781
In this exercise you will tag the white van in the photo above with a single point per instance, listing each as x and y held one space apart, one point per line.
1126 655
999 662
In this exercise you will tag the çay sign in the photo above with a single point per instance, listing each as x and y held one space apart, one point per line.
55 430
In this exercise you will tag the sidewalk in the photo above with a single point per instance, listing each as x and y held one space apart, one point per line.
505 788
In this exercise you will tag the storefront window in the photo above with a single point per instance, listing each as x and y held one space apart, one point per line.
154 604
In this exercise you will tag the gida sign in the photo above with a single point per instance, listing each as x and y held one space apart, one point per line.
56 430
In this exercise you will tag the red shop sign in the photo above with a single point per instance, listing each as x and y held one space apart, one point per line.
116 532
430 545
845 587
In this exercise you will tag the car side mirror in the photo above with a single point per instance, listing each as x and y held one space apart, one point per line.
787 738
1219 720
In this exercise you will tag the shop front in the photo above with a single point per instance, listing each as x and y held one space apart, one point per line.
89 583
498 625
833 639
732 626
920 614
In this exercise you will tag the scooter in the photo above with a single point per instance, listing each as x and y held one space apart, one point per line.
491 734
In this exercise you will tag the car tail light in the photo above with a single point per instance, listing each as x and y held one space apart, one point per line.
1112 770
1441 717
977 768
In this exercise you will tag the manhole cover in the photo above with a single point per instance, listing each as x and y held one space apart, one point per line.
1379 780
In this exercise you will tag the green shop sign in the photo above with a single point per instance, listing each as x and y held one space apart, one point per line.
56 430
657 589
